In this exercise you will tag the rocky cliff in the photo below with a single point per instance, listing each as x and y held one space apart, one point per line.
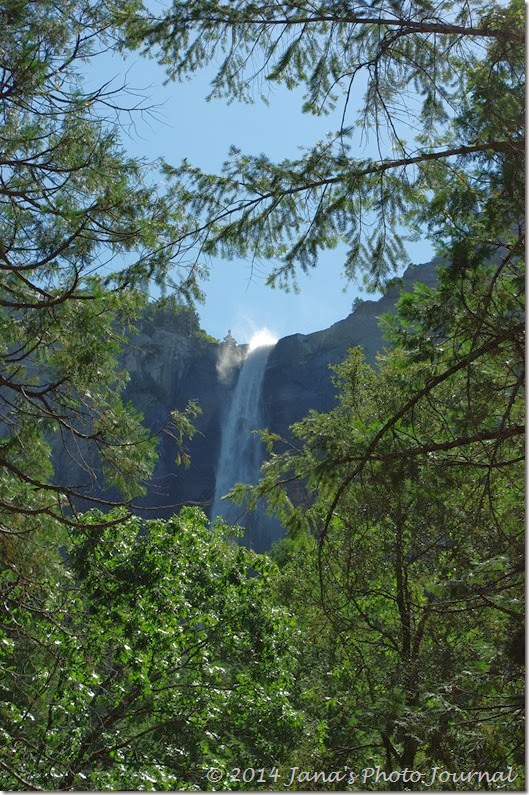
298 378
168 368
166 371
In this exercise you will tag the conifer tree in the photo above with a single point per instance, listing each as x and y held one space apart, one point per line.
83 234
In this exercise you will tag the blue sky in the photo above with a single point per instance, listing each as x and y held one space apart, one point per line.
183 124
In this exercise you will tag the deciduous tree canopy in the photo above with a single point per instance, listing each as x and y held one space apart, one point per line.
150 655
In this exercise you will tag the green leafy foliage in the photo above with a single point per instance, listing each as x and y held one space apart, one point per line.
157 653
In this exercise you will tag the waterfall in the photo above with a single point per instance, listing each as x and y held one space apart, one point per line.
241 452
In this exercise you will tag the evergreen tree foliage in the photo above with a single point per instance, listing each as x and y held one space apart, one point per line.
435 90
135 654
415 507
82 235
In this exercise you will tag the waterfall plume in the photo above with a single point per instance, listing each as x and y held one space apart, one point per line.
241 450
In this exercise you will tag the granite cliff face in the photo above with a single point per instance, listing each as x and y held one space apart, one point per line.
168 368
166 371
298 378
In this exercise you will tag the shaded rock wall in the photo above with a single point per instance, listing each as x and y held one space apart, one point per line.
298 378
167 371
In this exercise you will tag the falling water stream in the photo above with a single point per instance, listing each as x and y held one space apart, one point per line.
241 450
